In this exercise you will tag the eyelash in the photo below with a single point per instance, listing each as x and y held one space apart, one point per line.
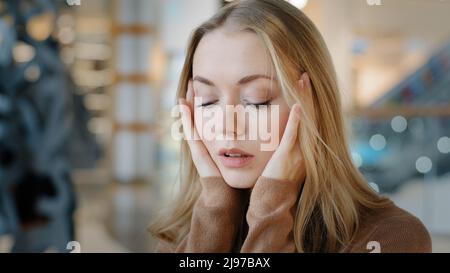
206 104
257 105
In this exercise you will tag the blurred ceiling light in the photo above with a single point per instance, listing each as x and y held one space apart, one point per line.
399 124
424 164
444 145
300 4
41 26
377 142
23 52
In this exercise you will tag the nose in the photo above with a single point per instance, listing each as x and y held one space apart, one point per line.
234 124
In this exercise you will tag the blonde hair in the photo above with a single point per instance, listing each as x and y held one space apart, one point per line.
335 194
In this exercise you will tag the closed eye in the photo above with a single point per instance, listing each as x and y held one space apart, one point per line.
257 105
206 104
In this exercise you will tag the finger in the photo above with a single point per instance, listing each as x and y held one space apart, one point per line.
190 95
305 85
190 103
291 131
187 121
188 126
200 155
306 80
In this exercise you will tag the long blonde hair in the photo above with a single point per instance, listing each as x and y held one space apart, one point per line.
334 194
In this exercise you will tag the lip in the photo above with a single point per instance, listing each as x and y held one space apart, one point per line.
235 162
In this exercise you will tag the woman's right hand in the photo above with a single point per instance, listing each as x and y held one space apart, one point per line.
219 209
200 155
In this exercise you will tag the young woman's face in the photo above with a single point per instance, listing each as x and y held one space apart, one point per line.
233 69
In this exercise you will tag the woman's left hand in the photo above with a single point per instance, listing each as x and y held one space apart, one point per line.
287 161
270 215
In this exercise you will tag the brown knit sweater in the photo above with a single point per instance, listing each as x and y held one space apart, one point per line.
219 213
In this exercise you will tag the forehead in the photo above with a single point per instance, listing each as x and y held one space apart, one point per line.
226 57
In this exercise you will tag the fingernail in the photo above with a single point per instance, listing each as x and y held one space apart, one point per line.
306 77
302 84
297 108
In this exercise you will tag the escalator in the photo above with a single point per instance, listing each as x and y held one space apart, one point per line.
396 163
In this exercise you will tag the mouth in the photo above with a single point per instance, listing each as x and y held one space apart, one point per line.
235 158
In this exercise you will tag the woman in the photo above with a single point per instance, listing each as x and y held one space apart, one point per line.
303 196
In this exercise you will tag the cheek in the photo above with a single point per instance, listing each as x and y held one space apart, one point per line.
208 122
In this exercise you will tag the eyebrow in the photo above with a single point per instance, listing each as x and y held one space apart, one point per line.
242 81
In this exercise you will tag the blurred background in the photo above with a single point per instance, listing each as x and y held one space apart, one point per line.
86 89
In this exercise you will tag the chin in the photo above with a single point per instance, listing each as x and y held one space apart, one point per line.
239 181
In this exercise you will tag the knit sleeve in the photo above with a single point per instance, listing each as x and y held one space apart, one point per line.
271 215
216 217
